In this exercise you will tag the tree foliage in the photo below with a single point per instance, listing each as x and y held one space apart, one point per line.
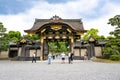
14 35
3 39
33 37
115 22
94 33
2 30
113 46
58 47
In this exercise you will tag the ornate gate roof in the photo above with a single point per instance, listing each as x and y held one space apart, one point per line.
75 24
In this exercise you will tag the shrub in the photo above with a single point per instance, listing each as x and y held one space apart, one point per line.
106 56
115 57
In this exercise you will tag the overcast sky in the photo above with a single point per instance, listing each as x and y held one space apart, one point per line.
19 15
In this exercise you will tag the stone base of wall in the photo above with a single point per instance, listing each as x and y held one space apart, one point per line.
4 58
78 57
19 58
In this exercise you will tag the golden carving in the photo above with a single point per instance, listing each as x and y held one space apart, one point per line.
64 32
69 30
50 37
91 39
64 37
56 32
57 37
79 33
23 41
77 39
43 30
42 39
56 27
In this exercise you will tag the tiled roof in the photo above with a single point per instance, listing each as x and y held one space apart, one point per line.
75 24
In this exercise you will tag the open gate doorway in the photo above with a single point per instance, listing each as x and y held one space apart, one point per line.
56 47
13 53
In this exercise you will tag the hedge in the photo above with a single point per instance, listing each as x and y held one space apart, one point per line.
115 57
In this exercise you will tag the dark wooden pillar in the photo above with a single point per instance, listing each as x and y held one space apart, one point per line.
92 49
23 51
88 52
45 50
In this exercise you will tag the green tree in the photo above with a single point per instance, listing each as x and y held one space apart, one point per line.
115 22
58 47
14 35
113 46
3 40
109 37
52 47
93 32
2 30
62 47
33 37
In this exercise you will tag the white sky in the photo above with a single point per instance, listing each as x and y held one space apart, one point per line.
94 14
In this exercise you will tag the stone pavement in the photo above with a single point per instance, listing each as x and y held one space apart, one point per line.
79 70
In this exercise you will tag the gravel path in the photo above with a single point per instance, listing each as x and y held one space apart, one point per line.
79 70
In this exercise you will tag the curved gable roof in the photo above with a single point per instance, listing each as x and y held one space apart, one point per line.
75 24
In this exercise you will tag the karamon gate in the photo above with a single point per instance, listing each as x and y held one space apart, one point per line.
57 29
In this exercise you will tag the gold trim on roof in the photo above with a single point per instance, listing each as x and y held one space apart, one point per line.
69 30
43 30
56 27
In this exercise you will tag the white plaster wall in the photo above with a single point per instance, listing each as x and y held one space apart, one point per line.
31 52
98 51
83 52
76 52
38 52
19 52
4 54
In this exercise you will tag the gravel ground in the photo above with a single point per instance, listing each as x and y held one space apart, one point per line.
79 70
